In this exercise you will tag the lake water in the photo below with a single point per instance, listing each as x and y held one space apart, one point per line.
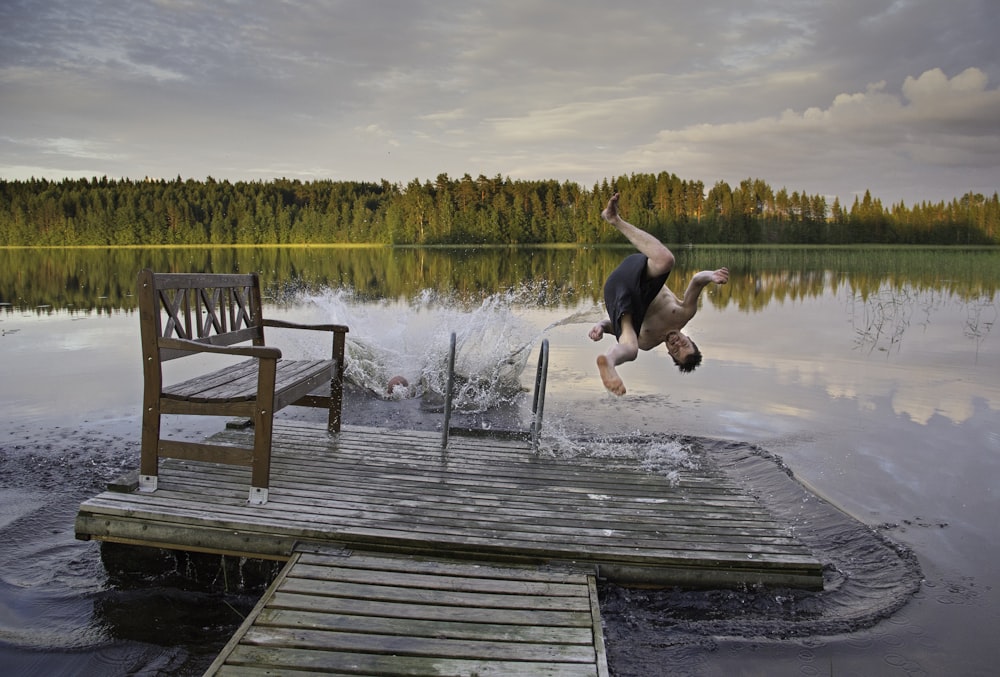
872 375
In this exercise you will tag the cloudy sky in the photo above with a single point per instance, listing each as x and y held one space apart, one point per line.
897 96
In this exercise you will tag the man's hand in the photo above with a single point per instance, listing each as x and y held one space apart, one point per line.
701 279
596 332
698 283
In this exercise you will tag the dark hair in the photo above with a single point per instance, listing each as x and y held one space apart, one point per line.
691 361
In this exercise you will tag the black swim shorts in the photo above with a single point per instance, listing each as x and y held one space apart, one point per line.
629 290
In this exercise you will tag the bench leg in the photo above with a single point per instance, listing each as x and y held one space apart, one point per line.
336 403
150 453
261 470
263 428
337 384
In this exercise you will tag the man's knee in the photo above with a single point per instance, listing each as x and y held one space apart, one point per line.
661 262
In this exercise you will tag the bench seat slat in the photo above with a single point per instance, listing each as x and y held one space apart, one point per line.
238 383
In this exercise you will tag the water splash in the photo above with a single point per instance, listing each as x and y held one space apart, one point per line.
411 339
666 456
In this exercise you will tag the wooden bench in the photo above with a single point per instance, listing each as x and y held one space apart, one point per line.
183 315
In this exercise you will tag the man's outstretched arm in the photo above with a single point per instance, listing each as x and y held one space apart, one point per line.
699 282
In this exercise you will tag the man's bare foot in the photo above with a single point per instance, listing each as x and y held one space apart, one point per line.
609 376
610 213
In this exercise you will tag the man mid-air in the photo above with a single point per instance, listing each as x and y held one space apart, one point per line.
642 311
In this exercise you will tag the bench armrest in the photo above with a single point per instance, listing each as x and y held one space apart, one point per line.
281 324
261 352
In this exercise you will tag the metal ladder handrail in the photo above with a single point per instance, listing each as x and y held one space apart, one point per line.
538 399
447 393
538 402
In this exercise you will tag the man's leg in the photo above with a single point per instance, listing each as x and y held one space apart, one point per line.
661 259
625 350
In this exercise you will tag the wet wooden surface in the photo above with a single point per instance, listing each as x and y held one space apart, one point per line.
339 612
485 499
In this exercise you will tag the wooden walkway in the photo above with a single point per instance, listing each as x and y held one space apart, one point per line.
336 612
483 499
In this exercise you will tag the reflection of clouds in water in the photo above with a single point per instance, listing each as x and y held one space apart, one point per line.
787 410
929 367
918 392
918 398
920 404
841 390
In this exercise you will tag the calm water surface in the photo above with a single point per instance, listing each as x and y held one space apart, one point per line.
873 376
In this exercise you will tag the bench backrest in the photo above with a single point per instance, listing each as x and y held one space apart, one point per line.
218 309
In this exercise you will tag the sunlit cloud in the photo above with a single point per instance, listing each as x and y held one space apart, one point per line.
936 120
583 120
75 148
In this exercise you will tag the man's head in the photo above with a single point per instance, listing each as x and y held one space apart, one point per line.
685 353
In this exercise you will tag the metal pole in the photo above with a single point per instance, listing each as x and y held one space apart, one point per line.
538 404
447 393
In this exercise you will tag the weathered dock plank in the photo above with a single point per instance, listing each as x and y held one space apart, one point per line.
348 613
397 491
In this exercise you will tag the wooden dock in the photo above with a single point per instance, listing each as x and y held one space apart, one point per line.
332 611
481 499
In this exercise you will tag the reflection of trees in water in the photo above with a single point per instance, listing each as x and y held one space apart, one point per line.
103 280
881 318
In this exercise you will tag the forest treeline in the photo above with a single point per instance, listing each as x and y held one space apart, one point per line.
482 210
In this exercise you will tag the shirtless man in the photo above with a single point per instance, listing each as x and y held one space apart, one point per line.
643 312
